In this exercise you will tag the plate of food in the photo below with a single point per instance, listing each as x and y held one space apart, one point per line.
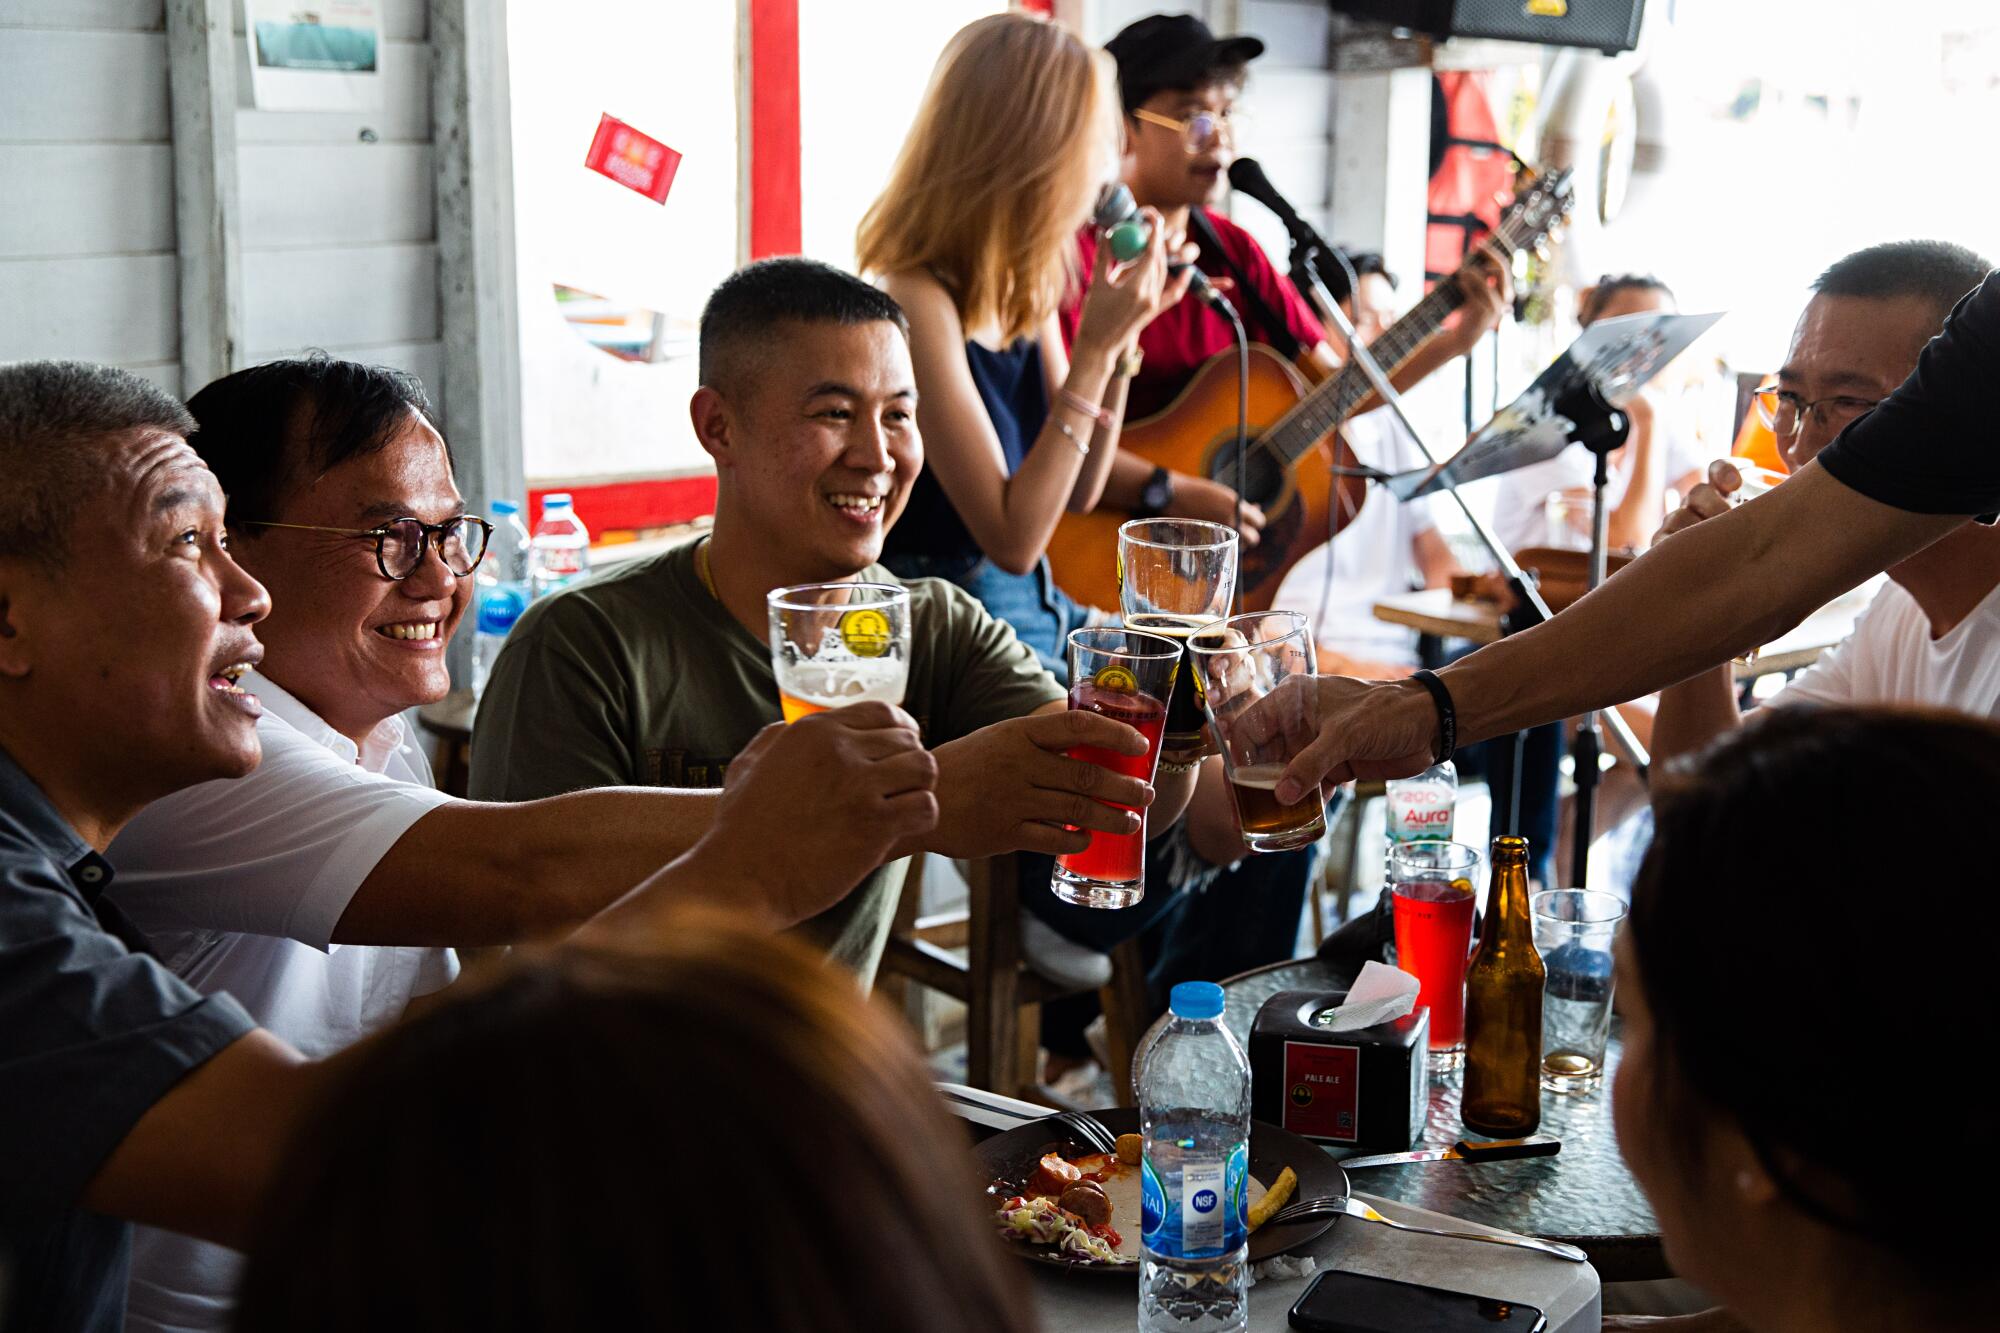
1062 1203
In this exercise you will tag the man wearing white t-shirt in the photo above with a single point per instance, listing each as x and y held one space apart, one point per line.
1386 547
1932 636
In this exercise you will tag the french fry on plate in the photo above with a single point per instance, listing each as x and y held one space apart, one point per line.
1274 1198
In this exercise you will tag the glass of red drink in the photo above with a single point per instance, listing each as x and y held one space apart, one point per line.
1128 676
1434 886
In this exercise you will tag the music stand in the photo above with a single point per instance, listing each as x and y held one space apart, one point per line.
1573 401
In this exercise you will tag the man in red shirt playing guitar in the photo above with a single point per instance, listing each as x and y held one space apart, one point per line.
1178 84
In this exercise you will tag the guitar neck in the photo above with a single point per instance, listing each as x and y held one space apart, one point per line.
1328 405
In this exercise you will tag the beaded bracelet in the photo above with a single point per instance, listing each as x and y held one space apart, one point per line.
1082 445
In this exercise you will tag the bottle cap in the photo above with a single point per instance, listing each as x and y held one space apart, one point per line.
1196 999
555 500
504 507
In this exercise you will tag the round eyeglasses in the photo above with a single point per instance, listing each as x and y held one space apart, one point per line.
402 543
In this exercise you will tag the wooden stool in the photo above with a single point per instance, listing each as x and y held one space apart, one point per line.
1002 995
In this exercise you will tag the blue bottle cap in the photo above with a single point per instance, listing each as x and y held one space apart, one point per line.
504 507
1196 999
555 500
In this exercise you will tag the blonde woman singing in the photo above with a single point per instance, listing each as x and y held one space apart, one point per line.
974 237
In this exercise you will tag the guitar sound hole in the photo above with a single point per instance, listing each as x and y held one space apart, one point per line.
1263 475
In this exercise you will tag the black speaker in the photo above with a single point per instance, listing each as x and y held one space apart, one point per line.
1607 25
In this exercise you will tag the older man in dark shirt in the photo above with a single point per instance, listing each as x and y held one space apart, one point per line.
124 627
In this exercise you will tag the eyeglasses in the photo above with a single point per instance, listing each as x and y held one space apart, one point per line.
1785 412
1199 132
402 543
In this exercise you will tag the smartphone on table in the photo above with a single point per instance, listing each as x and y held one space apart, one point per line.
1337 1302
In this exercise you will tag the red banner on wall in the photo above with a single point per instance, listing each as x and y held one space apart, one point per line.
633 158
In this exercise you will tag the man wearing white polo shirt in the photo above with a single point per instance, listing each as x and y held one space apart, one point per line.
1932 635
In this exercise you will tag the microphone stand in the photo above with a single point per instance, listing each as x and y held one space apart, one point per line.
1534 608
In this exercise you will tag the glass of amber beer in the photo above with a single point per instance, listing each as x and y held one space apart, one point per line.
1174 576
839 643
1255 677
1127 676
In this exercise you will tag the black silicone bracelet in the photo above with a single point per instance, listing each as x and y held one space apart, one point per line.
1447 714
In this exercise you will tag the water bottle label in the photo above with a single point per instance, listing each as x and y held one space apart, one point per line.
499 608
1211 1217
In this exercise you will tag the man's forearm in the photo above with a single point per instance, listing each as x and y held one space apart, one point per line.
500 874
1695 712
1701 597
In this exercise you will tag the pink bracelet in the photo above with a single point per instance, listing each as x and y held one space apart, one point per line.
1095 411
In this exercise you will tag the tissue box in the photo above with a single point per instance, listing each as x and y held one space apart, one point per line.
1366 1089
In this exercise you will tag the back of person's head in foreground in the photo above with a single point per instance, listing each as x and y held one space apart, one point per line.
1803 977
718 1135
122 615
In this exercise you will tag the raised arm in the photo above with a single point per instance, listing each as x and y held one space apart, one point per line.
1698 598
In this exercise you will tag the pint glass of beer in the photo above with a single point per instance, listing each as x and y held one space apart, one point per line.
1255 675
1174 575
839 643
1127 676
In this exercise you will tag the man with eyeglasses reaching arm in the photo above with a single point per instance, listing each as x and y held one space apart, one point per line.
1930 638
1895 480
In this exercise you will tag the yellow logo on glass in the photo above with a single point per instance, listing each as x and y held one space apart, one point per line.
1547 9
865 631
1116 679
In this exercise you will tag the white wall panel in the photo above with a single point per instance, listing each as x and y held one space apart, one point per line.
354 194
86 199
83 87
340 295
116 308
133 15
403 117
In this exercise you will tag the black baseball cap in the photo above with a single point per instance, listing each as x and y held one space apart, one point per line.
1164 51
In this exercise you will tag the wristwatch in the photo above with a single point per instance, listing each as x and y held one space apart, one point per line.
1158 494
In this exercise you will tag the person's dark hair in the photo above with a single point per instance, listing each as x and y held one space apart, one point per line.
53 415
1598 295
1934 271
1790 876
1363 262
743 309
721 1135
270 429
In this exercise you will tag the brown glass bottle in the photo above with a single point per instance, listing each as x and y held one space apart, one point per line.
1503 1007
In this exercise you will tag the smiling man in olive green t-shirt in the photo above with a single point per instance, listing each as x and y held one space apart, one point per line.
659 672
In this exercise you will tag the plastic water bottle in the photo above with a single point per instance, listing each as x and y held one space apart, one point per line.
560 551
500 589
1424 806
1194 1111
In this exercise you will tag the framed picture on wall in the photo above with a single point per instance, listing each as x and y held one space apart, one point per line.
316 55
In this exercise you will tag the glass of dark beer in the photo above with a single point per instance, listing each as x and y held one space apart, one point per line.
1174 576
1255 679
1127 676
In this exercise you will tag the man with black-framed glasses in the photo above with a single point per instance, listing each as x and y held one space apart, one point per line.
327 888
1931 637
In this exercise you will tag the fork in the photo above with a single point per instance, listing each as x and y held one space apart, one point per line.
1348 1206
1088 1129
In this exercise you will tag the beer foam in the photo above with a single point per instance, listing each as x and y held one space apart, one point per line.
1262 776
854 681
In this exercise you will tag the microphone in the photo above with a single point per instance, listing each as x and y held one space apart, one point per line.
1128 234
1247 176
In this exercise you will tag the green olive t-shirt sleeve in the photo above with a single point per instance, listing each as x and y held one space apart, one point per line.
984 674
556 715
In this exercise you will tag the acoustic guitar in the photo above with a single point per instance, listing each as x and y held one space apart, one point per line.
1288 421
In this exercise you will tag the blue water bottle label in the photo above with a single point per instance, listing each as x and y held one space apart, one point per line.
1236 1218
1211 1216
1152 1208
1204 1204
